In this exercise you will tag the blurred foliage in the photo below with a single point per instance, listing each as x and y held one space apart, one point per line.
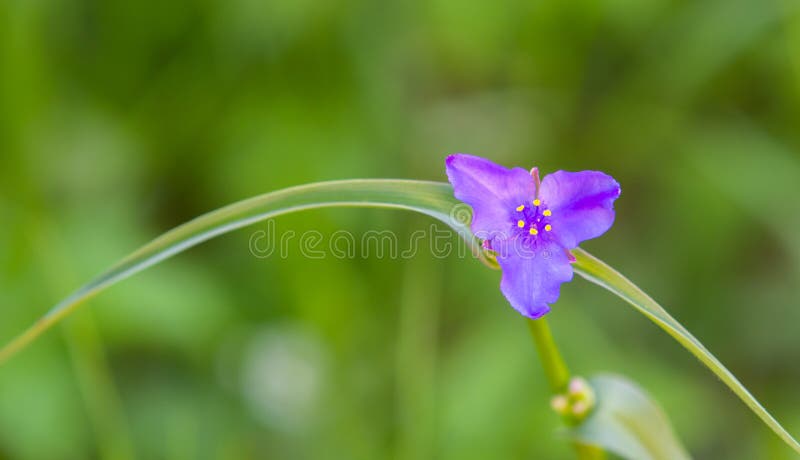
119 120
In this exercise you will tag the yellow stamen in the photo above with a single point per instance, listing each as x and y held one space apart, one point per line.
547 213
520 223
534 231
537 202
547 228
520 207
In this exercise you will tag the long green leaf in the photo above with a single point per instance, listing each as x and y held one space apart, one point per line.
628 423
431 198
601 274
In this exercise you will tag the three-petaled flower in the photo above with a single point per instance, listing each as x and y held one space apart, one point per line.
530 224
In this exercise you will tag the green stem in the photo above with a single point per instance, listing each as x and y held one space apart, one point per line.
554 367
557 373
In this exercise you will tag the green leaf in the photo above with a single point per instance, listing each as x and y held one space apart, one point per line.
434 199
431 198
627 422
601 274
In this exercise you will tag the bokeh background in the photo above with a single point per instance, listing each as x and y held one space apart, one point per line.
120 120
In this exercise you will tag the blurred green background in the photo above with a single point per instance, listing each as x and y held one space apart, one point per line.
120 120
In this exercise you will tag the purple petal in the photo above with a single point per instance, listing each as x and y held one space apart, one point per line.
532 281
582 204
492 191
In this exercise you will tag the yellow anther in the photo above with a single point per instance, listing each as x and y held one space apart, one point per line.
547 228
520 223
520 207
537 202
547 213
534 231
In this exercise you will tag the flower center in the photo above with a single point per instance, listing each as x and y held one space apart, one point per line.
532 219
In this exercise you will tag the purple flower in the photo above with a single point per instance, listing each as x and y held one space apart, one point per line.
532 225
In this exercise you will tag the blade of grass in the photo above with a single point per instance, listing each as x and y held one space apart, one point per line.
431 198
604 276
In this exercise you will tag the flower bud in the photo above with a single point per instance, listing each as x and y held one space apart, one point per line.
560 404
580 409
576 402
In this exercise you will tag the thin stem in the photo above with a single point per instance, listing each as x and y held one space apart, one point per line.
554 367
557 373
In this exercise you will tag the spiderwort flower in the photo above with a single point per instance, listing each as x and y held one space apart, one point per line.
530 224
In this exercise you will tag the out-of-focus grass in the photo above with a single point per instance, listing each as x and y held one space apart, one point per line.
119 120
